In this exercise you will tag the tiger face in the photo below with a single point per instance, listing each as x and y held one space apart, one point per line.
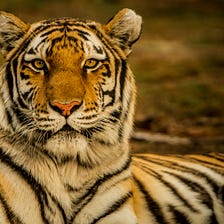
65 79
68 79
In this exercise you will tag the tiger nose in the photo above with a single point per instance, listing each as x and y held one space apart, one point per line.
65 108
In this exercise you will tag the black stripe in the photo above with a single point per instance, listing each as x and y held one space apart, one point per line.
22 47
31 51
152 205
107 73
37 188
180 167
170 187
103 142
219 157
28 95
60 209
21 102
26 41
10 83
213 220
12 217
9 117
111 93
204 198
9 111
195 187
116 114
82 34
178 217
38 45
24 76
176 193
22 118
71 39
126 114
49 30
98 49
87 197
113 208
86 164
122 77
120 133
58 160
208 164
29 179
9 79
55 41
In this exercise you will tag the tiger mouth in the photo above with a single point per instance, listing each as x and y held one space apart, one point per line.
69 131
66 131
67 128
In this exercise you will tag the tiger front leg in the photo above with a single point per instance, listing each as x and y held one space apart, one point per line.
124 214
113 206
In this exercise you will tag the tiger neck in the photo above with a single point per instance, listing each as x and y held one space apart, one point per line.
67 180
71 165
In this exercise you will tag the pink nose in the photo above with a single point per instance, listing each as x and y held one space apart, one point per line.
65 108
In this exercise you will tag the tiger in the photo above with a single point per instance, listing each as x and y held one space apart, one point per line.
67 103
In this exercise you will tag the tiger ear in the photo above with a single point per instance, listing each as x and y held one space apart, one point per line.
12 29
125 29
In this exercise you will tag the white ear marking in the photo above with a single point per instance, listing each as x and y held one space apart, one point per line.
12 30
125 29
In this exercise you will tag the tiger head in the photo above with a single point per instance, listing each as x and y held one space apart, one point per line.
67 80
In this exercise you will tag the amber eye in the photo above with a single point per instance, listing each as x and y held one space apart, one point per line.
91 63
38 64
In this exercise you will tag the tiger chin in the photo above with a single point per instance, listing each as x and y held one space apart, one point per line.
67 101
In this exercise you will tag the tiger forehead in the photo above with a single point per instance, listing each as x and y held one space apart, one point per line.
69 38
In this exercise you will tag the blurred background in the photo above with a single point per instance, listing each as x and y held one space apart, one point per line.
178 65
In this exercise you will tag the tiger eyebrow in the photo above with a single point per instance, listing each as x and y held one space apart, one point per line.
106 59
29 59
98 49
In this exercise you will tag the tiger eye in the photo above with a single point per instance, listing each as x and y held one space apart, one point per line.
38 64
91 63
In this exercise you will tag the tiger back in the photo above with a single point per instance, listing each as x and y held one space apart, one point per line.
67 101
